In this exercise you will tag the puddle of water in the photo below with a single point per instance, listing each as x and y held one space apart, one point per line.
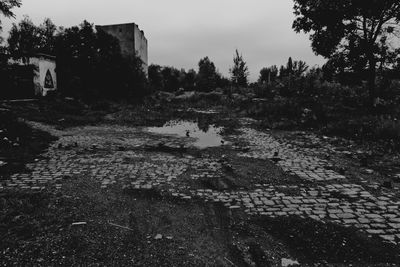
289 262
207 136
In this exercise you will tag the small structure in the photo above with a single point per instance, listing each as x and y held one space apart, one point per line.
32 76
131 39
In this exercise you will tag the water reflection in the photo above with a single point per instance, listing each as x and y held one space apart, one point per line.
289 263
205 135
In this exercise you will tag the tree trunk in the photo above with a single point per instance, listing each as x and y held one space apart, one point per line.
372 81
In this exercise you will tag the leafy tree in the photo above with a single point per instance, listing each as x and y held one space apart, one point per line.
289 69
293 68
6 7
75 51
47 33
289 66
3 56
299 68
291 75
282 72
24 39
207 75
155 77
170 79
239 71
190 80
222 82
361 32
268 75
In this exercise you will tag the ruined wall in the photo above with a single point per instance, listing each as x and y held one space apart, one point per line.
131 39
141 47
44 73
45 78
125 33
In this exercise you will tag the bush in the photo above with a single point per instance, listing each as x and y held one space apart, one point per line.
387 129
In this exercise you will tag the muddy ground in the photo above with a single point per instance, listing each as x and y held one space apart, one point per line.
79 222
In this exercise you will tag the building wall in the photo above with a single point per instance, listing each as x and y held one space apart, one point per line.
125 33
141 47
42 66
131 39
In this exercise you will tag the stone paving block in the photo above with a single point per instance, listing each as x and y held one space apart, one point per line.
375 232
346 215
395 225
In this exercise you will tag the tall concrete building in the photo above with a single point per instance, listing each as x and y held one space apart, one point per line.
131 40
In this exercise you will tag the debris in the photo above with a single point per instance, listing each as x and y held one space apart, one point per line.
79 223
228 167
2 163
364 162
158 237
120 226
387 184
368 171
229 261
341 170
186 96
276 159
169 237
289 262
166 147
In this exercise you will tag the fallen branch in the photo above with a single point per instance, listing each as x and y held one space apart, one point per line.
120 226
229 261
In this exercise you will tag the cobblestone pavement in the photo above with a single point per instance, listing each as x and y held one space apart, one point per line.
307 167
117 155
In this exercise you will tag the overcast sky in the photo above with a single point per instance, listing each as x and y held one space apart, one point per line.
180 32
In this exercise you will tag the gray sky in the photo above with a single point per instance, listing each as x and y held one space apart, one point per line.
180 32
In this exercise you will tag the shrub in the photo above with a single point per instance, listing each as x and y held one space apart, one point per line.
387 129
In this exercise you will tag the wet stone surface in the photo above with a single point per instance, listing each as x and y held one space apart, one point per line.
289 158
203 137
116 155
